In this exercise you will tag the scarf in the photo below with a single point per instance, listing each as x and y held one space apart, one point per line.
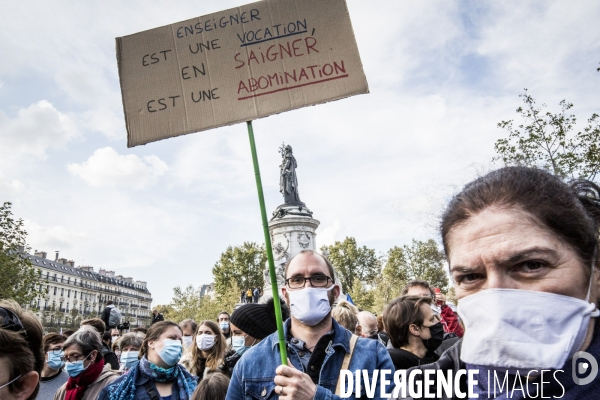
124 388
76 386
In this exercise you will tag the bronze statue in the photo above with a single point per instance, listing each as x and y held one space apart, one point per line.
288 182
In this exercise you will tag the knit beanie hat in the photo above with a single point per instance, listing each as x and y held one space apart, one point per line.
258 320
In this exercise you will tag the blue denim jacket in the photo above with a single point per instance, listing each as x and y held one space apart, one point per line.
253 375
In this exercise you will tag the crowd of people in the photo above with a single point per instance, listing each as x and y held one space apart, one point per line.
250 295
522 248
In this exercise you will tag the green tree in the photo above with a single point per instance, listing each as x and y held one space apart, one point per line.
351 262
421 260
185 304
25 280
543 139
361 297
392 279
240 265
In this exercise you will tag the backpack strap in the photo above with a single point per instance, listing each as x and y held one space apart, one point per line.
346 363
151 390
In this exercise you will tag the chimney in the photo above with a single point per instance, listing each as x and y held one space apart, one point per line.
40 254
56 259
71 263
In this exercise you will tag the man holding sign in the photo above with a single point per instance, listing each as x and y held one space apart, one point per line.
318 348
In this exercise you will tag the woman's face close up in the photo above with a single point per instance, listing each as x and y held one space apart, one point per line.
506 248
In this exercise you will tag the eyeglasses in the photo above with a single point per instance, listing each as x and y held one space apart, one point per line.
298 282
11 322
73 359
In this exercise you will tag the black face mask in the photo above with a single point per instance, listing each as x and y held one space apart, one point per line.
437 335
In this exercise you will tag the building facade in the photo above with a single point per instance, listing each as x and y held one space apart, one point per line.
77 293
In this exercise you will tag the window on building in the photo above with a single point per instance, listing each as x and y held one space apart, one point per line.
55 290
69 293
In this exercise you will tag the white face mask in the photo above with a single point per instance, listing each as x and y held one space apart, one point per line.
114 339
187 341
521 330
205 341
309 305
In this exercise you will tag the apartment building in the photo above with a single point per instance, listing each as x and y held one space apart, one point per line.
80 292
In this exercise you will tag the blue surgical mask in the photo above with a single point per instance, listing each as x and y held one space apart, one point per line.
224 325
172 351
129 358
54 359
238 344
76 368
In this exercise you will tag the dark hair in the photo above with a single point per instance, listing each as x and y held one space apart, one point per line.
400 314
223 312
154 333
97 323
52 338
329 265
140 329
417 282
109 302
106 336
22 350
68 332
213 387
571 212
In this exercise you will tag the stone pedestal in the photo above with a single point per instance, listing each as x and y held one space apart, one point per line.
292 229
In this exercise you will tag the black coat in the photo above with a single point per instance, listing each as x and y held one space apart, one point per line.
110 357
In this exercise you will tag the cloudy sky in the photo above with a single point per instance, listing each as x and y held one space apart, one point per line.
379 167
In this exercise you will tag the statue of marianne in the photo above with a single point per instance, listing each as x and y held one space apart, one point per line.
288 182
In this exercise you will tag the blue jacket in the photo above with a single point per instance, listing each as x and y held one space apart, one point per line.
254 374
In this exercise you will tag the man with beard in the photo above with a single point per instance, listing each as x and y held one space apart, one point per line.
318 348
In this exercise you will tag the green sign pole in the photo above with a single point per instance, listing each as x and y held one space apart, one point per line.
263 213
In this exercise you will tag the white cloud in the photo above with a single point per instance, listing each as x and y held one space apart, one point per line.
50 238
88 86
108 168
329 234
35 129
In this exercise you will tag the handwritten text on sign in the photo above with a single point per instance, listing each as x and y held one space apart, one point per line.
236 65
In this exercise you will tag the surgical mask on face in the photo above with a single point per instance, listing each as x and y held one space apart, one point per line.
437 335
171 352
310 305
518 331
187 341
129 358
76 368
238 344
205 341
114 338
224 325
54 359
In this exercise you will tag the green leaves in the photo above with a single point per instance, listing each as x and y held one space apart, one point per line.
240 265
15 268
545 140
352 262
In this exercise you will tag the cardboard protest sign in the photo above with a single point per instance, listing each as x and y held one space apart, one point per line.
237 65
